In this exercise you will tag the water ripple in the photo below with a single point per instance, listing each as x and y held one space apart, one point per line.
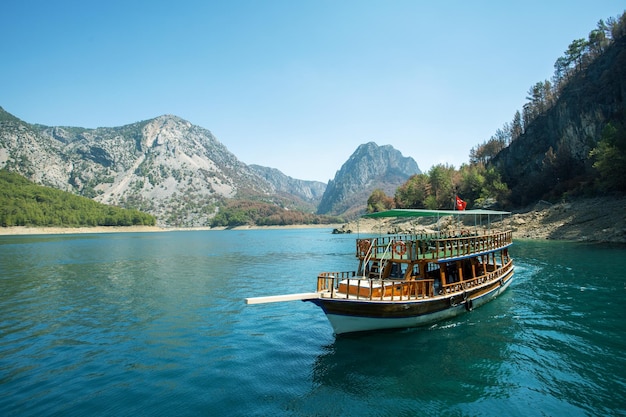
155 324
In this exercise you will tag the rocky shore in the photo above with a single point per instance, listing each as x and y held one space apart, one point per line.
589 220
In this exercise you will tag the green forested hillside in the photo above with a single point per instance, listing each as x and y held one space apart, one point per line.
23 203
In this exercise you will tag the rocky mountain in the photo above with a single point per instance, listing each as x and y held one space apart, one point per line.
165 166
181 173
368 168
305 194
552 156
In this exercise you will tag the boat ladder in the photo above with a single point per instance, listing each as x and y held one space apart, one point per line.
379 263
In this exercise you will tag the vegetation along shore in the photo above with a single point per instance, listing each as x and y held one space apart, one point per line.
601 220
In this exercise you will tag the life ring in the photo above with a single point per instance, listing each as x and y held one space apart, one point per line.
399 247
364 245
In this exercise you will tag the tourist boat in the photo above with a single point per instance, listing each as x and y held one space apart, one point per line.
410 280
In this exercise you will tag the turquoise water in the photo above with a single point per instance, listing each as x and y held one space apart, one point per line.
154 324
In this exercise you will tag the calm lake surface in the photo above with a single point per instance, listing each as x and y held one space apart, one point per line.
154 324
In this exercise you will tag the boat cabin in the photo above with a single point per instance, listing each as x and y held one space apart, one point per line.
422 265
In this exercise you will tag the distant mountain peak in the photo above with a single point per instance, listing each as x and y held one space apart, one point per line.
369 167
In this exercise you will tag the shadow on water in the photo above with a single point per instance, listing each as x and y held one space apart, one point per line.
426 370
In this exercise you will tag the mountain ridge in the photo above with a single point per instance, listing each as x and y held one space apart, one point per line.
174 170
165 166
306 193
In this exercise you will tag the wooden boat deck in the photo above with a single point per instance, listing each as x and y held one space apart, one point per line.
414 267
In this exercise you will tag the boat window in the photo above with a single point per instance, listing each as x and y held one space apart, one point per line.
396 271
432 270
452 271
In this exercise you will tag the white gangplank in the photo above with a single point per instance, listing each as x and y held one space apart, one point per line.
285 297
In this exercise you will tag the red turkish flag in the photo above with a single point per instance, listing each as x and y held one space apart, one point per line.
460 204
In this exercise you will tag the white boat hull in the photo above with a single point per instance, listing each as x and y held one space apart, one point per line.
344 323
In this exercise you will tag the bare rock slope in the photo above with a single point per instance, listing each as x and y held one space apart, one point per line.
593 220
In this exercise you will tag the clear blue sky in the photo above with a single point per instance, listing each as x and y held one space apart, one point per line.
292 84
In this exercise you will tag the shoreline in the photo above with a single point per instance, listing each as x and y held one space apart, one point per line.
27 230
598 220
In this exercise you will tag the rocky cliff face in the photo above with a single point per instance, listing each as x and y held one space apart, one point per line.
368 168
552 156
165 166
23 149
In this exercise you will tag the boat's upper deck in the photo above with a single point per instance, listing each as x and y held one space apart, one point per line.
433 247
437 247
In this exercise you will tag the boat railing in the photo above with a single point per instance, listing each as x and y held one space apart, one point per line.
468 245
329 281
350 286
384 260
431 246
346 285
366 246
468 284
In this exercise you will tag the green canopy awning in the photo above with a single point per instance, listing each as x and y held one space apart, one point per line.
432 213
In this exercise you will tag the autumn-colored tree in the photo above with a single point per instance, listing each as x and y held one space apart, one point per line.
379 201
485 152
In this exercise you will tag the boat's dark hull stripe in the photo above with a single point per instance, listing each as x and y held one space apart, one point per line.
404 309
